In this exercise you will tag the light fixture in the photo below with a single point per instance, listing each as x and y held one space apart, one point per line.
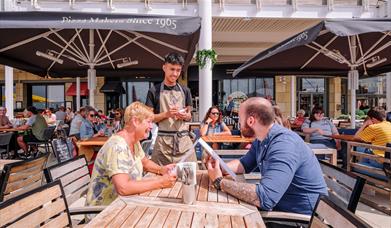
375 61
335 55
127 62
49 56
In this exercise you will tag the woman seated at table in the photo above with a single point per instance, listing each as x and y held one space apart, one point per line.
118 122
319 127
299 120
121 162
49 117
214 125
4 121
91 126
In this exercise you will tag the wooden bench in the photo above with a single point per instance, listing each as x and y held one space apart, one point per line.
43 206
328 214
380 186
20 177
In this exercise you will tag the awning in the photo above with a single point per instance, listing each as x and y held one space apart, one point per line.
112 87
72 89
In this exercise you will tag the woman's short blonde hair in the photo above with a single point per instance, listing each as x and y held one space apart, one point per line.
138 110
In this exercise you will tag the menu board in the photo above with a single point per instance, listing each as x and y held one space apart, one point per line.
63 149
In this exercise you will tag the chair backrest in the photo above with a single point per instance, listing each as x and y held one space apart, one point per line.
5 138
74 177
387 166
48 133
43 206
328 214
20 177
344 188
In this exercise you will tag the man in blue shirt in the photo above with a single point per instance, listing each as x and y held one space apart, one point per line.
291 178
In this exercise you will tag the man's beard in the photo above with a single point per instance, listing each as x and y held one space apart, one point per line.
247 131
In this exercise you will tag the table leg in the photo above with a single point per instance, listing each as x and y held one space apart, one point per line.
88 151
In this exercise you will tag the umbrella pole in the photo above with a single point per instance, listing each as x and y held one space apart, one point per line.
353 80
77 93
388 91
91 71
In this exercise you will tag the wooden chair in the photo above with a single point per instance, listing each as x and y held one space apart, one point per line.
75 178
328 214
377 180
20 177
344 188
5 139
43 206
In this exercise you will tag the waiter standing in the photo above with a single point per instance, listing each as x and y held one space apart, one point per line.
172 105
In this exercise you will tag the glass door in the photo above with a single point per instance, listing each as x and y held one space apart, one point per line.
307 101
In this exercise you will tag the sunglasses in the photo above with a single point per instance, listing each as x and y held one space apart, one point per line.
92 115
320 113
117 114
215 113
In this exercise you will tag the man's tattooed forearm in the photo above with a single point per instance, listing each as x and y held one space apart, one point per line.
242 191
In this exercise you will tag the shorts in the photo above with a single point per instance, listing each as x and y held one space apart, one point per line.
30 138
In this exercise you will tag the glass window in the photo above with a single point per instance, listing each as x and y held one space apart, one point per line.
48 96
39 96
2 94
260 87
55 96
316 85
137 91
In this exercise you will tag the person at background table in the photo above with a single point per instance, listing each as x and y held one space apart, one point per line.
299 120
318 127
171 103
213 124
37 123
91 126
375 130
69 115
76 123
4 121
118 122
61 114
120 163
279 119
49 117
291 178
102 116
229 106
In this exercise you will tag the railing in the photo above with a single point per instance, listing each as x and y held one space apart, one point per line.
331 4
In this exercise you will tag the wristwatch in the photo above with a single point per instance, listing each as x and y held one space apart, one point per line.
216 183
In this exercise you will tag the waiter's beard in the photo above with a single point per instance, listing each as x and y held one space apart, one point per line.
247 131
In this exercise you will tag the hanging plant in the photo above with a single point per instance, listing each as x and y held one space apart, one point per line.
203 55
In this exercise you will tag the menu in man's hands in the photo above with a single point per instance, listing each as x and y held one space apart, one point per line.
215 156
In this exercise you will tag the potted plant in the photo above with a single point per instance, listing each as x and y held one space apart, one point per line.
203 55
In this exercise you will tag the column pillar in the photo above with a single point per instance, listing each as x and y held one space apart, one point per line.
9 91
77 94
293 96
388 91
205 74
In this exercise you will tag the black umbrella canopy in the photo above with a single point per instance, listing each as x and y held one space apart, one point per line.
67 44
331 48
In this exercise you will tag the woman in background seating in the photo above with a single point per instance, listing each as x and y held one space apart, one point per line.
213 124
279 119
299 120
319 127
118 122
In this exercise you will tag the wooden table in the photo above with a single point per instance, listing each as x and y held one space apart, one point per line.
227 139
3 162
329 151
10 129
345 138
86 147
164 208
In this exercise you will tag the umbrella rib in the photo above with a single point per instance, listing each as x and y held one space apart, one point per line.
142 46
336 56
362 53
62 51
84 47
317 53
118 48
160 42
364 57
104 47
70 52
76 53
28 40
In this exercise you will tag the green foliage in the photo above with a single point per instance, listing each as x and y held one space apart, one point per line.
203 55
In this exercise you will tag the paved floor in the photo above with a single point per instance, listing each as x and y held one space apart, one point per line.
373 217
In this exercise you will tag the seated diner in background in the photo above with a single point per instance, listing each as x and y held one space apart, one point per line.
213 124
49 116
91 126
37 123
279 119
120 163
4 121
299 120
318 127
375 130
76 123
291 177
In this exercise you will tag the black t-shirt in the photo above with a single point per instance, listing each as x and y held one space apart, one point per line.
153 96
